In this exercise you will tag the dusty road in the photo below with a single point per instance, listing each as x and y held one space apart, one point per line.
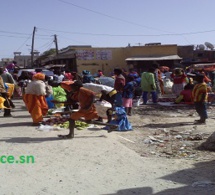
94 162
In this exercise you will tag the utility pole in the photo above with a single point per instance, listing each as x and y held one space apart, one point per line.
32 48
56 45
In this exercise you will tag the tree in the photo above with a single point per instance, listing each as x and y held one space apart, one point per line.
47 53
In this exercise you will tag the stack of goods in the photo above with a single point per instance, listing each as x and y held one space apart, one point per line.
63 122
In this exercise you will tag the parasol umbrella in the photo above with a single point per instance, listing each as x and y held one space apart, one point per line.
106 81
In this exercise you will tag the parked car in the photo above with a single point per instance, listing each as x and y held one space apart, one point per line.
48 72
44 71
26 70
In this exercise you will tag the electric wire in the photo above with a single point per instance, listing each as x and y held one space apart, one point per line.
112 17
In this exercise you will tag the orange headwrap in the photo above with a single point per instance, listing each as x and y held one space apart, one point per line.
39 76
66 85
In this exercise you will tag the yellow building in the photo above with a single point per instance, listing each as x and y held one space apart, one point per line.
138 57
106 59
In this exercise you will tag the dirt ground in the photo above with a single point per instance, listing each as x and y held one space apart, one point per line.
158 157
169 132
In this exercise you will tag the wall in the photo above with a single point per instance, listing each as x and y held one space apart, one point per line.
87 58
105 59
150 51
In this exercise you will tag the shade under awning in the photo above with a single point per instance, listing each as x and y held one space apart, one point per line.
171 57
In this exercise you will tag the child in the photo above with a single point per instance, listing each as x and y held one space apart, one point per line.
120 119
128 94
200 95
185 95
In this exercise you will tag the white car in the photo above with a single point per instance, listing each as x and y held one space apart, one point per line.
44 71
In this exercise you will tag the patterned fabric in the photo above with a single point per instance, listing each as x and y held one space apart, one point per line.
199 92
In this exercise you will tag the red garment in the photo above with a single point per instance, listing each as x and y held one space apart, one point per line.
68 76
187 95
178 79
206 79
100 74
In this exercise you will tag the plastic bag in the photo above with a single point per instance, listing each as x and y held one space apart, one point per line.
47 128
102 107
168 86
136 101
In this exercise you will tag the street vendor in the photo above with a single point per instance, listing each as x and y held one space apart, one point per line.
185 95
179 81
106 93
34 98
86 110
109 96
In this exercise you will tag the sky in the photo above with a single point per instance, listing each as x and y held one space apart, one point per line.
103 23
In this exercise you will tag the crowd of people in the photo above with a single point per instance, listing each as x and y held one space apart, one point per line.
40 92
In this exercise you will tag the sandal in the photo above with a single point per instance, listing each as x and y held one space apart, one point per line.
199 122
65 136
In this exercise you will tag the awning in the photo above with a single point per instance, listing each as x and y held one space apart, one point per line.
158 58
203 65
54 66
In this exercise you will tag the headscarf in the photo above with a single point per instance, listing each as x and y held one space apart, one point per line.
178 71
85 72
66 85
39 76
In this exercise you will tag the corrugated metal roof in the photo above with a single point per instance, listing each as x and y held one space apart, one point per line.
171 57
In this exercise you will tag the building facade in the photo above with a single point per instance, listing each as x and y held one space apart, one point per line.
79 58
25 61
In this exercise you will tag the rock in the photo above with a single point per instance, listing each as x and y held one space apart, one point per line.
178 137
209 144
147 141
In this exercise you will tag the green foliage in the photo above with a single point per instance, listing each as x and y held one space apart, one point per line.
79 125
47 53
